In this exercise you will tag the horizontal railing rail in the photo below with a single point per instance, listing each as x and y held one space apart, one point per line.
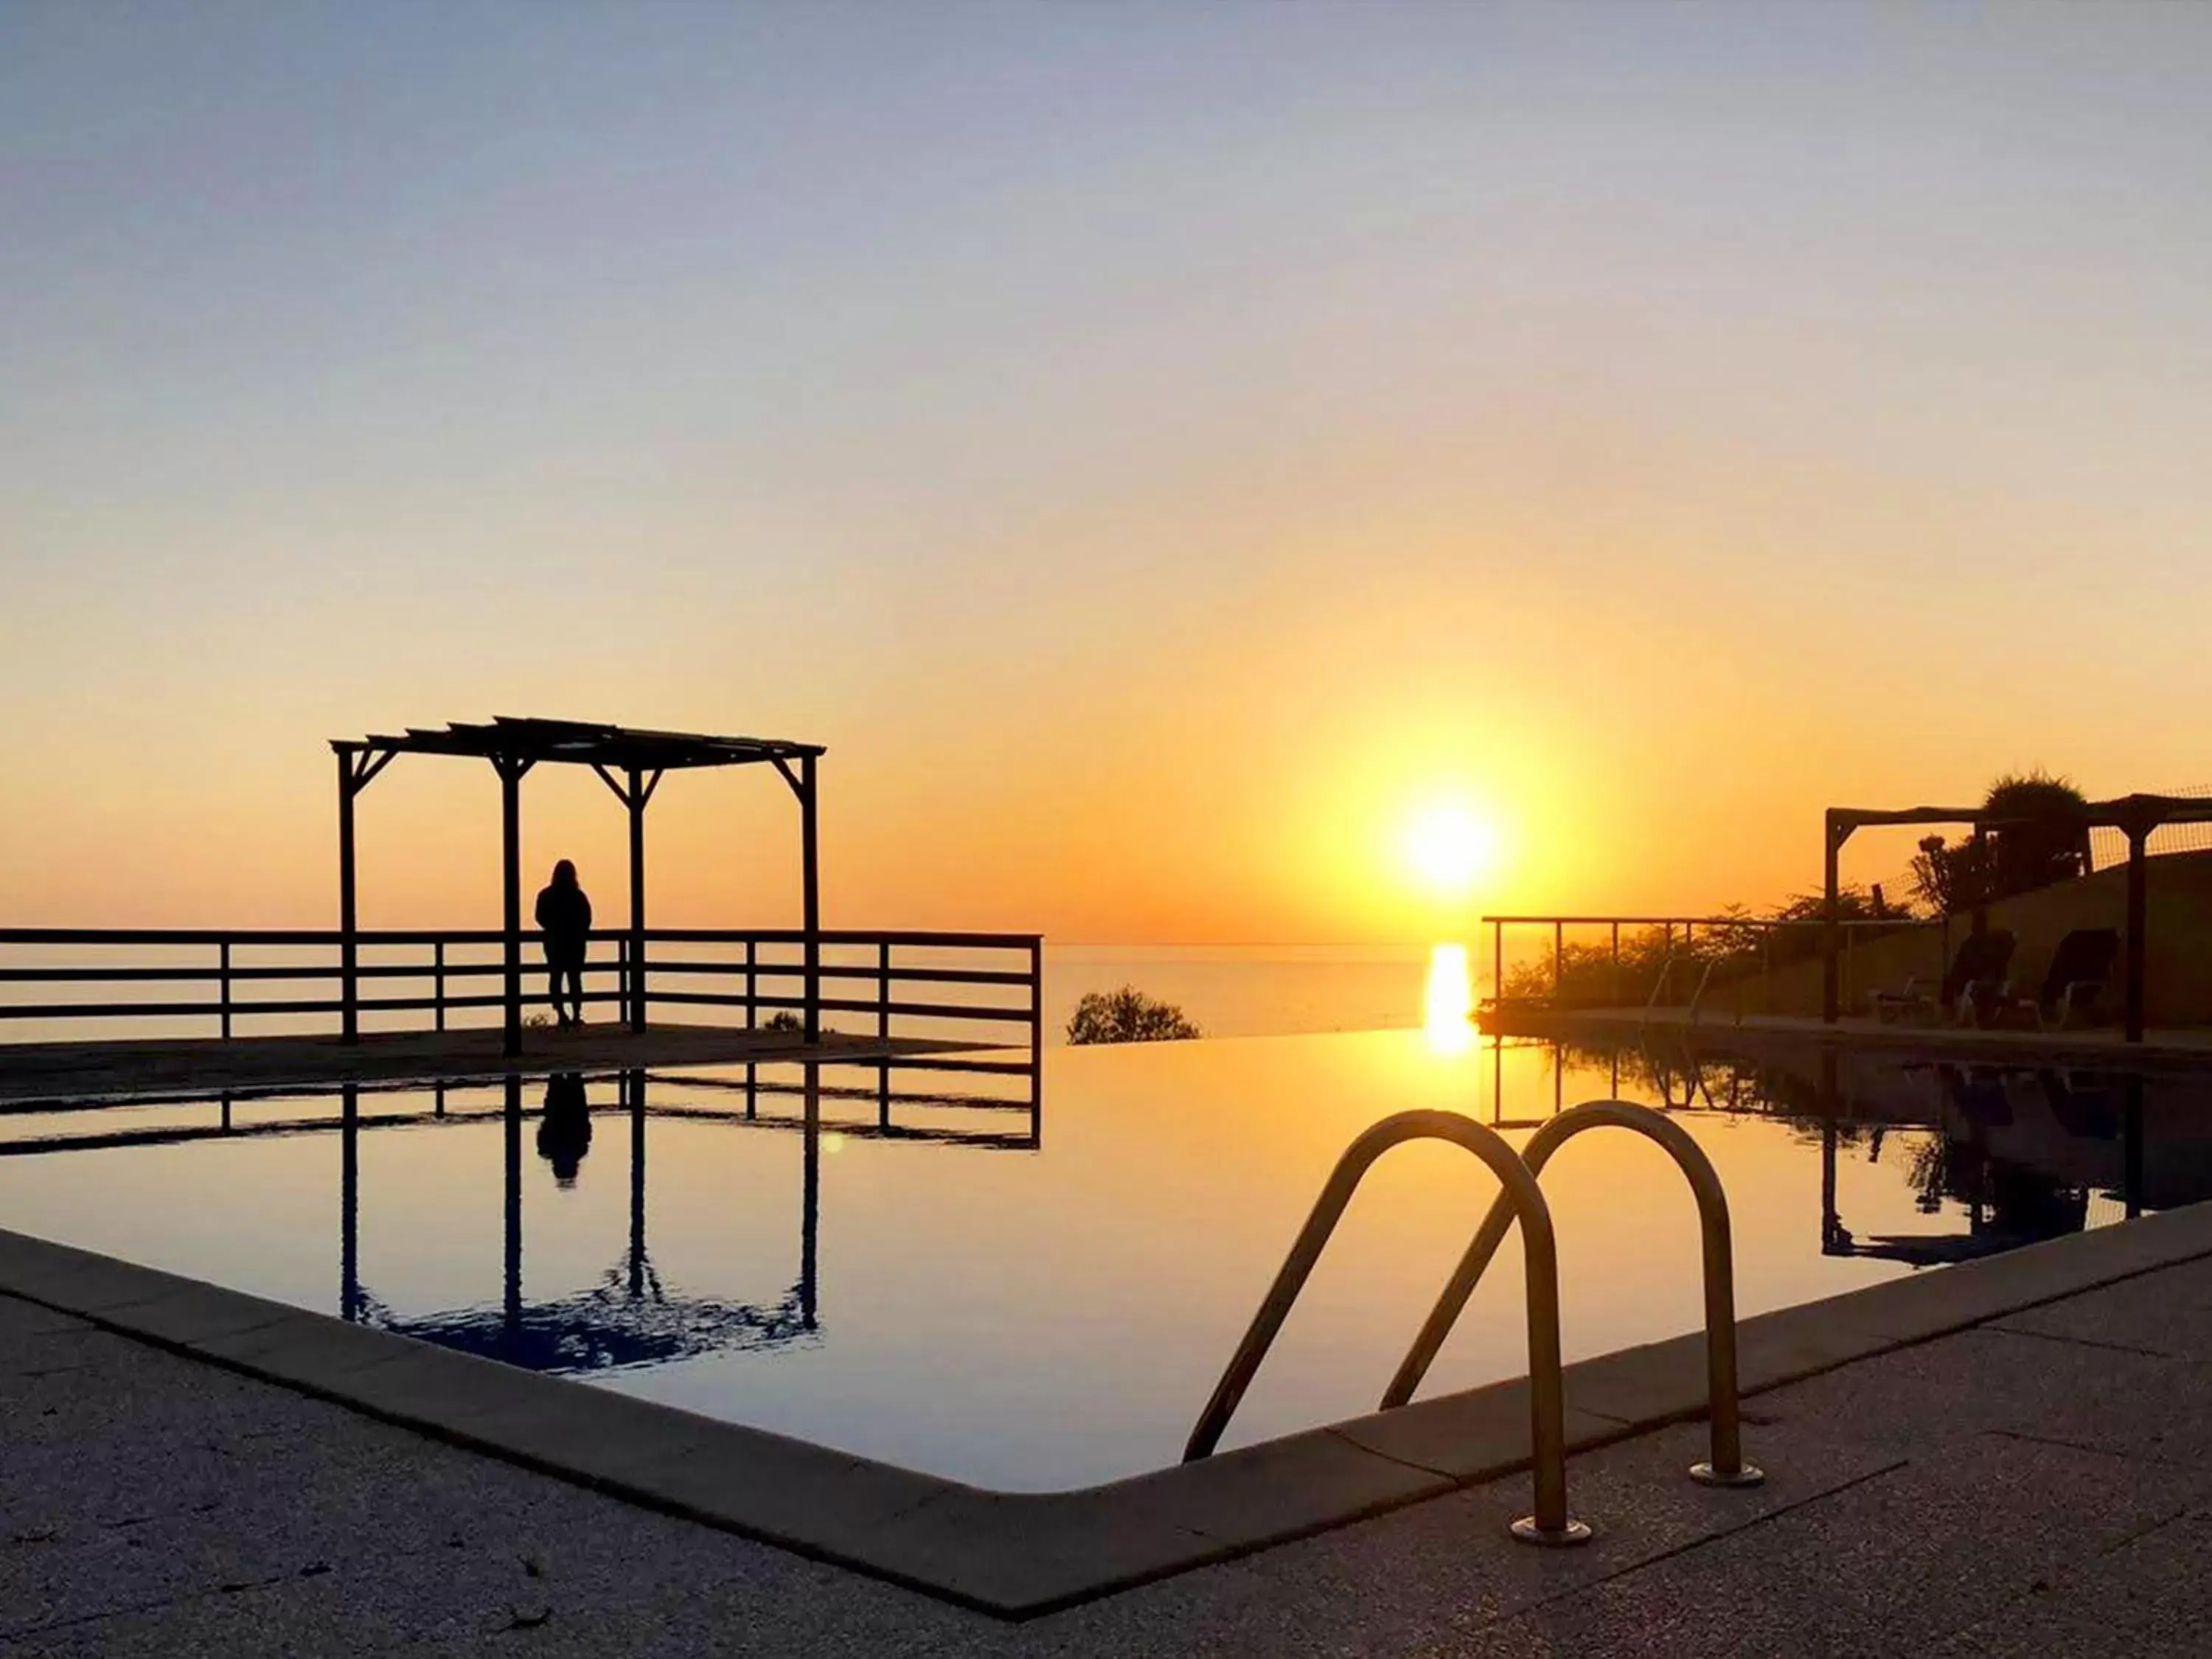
56 975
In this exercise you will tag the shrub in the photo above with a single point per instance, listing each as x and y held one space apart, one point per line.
1126 1016
783 1020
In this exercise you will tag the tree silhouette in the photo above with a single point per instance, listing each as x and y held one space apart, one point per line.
1126 1016
2040 839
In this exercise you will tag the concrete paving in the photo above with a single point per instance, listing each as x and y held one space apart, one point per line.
2041 1483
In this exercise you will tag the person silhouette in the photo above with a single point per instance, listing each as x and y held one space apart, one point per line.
564 917
564 1134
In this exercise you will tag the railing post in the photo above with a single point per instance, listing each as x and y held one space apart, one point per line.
1559 960
884 990
1615 995
1036 1014
224 949
1497 961
438 980
752 1010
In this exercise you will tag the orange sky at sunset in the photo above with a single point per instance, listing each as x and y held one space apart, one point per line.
1161 454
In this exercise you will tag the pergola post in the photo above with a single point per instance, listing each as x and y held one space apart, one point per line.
636 801
2138 919
510 804
1835 833
810 881
1983 881
810 1197
348 919
511 1278
350 1203
632 1087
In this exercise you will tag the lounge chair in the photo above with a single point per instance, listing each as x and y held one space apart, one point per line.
1978 967
2081 970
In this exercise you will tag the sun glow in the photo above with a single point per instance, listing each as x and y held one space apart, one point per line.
1449 848
1448 1001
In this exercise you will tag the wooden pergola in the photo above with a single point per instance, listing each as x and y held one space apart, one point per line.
2135 816
630 762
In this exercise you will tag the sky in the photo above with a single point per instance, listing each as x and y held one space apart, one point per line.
1167 454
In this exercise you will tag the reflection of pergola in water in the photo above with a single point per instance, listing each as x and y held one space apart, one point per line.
2100 1107
2008 1203
630 1318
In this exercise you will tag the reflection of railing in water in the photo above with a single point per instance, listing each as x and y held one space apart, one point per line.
1997 1182
885 1098
630 1318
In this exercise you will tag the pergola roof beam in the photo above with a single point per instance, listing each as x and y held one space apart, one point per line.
2122 813
582 743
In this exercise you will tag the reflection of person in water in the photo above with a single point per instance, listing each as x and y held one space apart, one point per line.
564 1134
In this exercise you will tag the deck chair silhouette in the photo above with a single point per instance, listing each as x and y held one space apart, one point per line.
2080 972
1977 968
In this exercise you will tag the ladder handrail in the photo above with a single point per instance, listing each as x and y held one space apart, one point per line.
1521 1198
1727 1466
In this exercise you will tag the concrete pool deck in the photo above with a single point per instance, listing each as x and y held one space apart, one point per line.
206 1066
2014 1455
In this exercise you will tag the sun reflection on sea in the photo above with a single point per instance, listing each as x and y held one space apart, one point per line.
1448 1001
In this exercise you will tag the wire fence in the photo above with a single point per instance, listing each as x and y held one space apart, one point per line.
2108 848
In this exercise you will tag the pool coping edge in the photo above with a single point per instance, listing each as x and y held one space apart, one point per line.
1018 1555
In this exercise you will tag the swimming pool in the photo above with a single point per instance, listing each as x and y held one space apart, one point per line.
1033 1296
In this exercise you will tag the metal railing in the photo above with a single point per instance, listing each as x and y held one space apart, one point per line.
1726 1466
757 972
1730 949
1550 1524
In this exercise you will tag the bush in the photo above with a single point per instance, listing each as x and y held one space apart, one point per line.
783 1020
1126 1016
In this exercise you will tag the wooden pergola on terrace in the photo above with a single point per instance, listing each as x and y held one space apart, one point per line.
2135 816
630 762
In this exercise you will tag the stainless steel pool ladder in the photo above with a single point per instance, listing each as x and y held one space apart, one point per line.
1659 987
1725 1466
1522 1199
1550 1524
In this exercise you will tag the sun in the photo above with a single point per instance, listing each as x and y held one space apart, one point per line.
1451 847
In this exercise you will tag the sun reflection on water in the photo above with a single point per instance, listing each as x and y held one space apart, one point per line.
1448 1001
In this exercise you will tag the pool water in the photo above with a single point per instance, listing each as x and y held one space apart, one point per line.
1038 1294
